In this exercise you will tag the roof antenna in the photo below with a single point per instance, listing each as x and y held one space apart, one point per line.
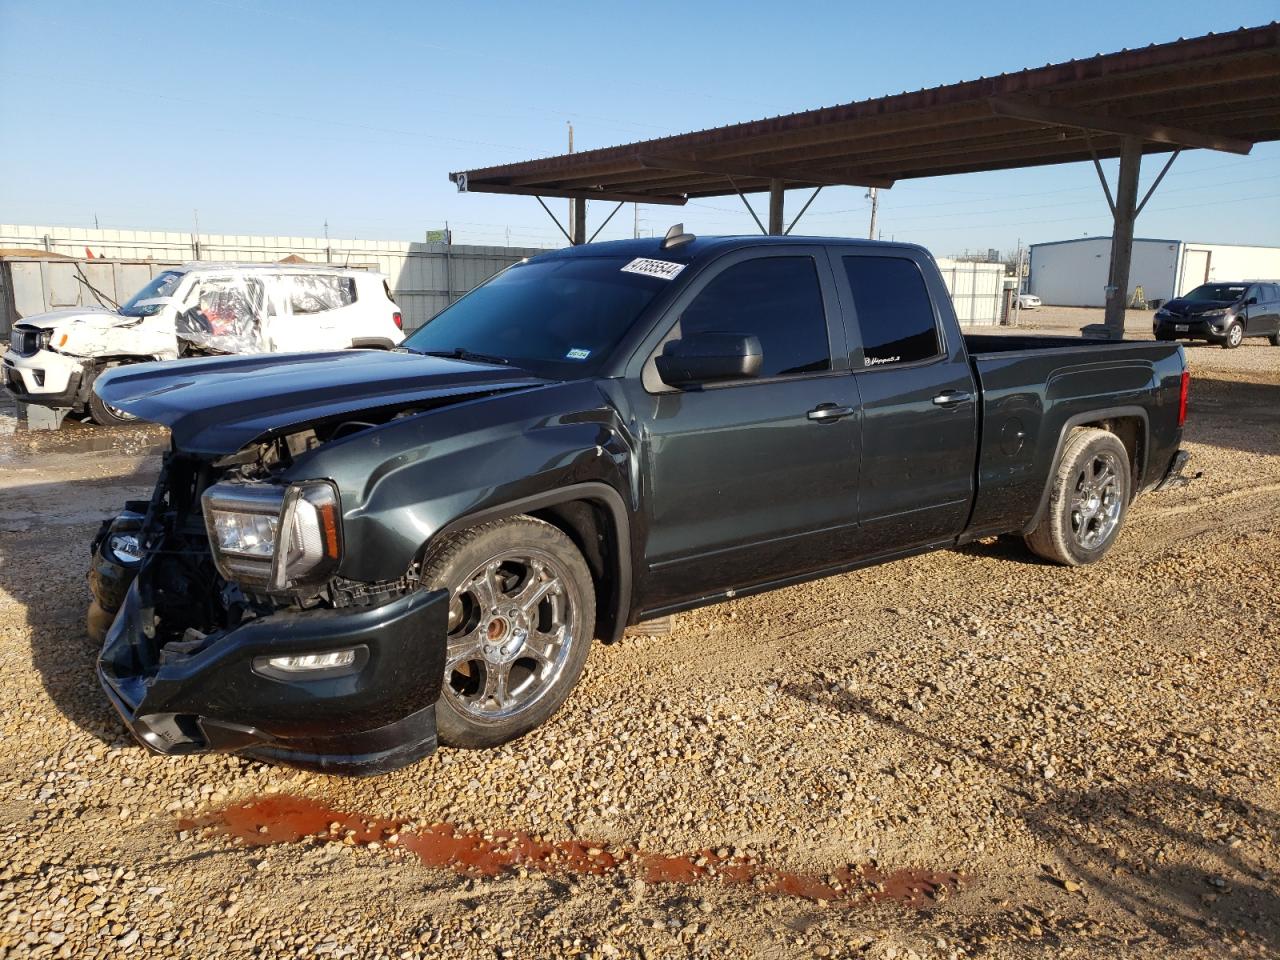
676 237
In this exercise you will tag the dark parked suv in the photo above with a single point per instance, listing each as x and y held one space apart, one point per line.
1222 313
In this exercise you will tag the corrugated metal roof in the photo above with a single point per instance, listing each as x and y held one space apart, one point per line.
1220 91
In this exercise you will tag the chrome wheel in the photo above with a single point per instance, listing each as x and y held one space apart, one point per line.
511 623
1097 501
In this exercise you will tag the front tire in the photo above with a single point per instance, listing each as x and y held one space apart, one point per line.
1275 339
108 416
1088 501
1235 335
521 619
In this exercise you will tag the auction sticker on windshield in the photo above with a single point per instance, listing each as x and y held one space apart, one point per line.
661 269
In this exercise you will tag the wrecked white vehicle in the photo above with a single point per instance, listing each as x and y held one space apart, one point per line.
199 309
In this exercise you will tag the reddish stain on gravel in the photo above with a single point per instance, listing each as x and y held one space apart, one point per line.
285 819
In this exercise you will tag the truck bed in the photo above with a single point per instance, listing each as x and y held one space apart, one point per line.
1035 390
986 343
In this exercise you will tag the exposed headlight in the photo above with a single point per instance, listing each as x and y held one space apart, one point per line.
280 538
1215 313
125 547
1162 314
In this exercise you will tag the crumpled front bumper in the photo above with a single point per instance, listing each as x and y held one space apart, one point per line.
377 717
44 378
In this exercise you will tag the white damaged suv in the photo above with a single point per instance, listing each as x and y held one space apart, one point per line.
196 310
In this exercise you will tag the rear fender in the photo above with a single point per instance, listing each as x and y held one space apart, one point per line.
1099 418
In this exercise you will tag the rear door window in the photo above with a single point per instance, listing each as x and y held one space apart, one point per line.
895 313
778 300
319 293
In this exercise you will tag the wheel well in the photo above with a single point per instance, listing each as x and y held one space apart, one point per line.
590 526
1130 432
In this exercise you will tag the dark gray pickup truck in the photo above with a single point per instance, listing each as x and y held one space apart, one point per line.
350 556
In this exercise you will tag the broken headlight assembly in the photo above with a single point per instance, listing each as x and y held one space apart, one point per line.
274 538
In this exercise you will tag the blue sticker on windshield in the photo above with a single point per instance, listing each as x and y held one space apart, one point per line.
577 353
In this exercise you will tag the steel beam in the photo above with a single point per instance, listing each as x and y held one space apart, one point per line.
474 186
579 225
1122 236
777 190
813 197
1085 120
829 177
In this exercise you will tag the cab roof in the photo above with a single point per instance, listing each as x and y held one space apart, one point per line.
701 247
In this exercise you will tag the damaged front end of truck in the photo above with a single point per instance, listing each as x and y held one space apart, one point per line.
226 621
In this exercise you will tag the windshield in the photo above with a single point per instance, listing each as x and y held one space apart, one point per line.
161 285
1220 292
557 318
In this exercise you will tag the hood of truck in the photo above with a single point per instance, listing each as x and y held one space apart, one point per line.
220 405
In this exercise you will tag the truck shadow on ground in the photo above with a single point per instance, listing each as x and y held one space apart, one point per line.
43 566
1234 415
1145 845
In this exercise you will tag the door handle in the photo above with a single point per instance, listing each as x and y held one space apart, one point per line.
829 412
951 398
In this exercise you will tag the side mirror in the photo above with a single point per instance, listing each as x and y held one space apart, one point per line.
707 357
1251 301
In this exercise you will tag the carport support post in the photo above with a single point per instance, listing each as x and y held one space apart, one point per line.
1122 236
776 188
578 229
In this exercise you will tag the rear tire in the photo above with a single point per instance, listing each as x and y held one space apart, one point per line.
521 619
1235 336
1088 500
1275 339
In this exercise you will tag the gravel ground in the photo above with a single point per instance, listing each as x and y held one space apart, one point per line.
1094 751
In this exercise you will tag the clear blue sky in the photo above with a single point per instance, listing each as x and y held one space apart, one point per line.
273 117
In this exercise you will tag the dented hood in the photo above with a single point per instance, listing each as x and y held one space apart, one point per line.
98 317
219 405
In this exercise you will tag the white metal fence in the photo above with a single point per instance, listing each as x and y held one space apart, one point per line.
977 290
426 277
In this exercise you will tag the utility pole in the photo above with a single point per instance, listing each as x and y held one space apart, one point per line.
577 207
636 233
571 202
195 237
873 194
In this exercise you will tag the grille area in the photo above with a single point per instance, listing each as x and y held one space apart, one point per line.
24 340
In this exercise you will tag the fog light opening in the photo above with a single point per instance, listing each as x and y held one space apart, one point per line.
314 661
313 666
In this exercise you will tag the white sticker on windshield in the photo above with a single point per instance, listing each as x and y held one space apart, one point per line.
577 353
662 269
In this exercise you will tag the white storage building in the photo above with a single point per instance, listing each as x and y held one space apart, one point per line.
1073 273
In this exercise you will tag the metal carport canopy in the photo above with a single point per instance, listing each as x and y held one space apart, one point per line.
1220 92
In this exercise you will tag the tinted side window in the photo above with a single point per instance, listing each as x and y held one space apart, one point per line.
778 300
895 313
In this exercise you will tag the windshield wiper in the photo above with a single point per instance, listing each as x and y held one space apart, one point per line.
462 353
